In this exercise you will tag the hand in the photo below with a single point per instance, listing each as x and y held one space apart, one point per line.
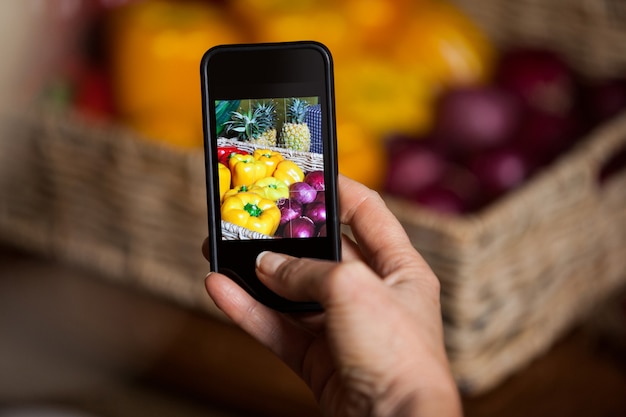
377 349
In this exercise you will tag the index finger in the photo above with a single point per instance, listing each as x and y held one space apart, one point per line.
380 236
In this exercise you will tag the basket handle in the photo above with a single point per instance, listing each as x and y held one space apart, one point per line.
612 166
607 152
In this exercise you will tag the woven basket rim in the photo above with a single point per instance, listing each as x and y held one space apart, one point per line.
99 130
241 233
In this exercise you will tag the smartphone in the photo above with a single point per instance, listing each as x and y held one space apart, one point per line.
271 159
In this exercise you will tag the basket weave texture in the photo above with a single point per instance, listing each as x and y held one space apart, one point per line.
514 277
517 275
591 34
520 273
102 198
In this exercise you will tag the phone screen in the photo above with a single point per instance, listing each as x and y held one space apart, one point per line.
271 173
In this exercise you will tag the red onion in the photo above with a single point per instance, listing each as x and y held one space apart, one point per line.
289 209
500 170
315 179
540 77
440 199
543 136
302 192
321 231
302 227
316 212
320 198
416 167
477 118
397 144
464 185
455 191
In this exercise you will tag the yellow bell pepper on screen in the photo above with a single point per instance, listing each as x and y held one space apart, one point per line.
271 188
224 176
246 170
289 172
251 211
269 158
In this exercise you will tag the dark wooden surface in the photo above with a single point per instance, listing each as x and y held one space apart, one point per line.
69 336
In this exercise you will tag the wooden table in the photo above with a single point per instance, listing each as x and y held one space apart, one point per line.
68 335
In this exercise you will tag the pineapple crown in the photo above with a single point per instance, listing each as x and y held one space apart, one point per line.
296 110
242 124
265 114
253 122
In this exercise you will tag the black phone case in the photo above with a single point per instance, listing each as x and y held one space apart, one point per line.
243 253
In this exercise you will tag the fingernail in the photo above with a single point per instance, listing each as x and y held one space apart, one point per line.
269 262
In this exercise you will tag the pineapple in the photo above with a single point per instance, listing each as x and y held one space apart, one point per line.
256 125
265 115
295 133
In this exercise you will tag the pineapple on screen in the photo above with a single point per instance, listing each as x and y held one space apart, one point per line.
295 133
256 125
265 115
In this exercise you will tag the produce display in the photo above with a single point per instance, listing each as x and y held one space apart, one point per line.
278 199
262 188
143 57
428 108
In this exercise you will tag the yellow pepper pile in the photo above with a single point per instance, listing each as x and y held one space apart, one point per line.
251 186
392 58
155 51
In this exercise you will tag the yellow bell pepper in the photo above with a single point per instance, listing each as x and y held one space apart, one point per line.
384 97
246 170
271 188
224 179
235 191
156 47
251 211
376 24
360 155
288 20
269 158
443 41
288 172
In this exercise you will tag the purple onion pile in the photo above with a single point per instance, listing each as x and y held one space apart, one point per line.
303 214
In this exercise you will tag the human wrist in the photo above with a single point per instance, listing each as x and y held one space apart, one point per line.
409 400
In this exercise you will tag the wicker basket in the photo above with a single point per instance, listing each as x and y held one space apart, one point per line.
307 161
591 34
103 198
520 273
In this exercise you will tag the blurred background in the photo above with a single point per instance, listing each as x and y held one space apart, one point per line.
473 118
